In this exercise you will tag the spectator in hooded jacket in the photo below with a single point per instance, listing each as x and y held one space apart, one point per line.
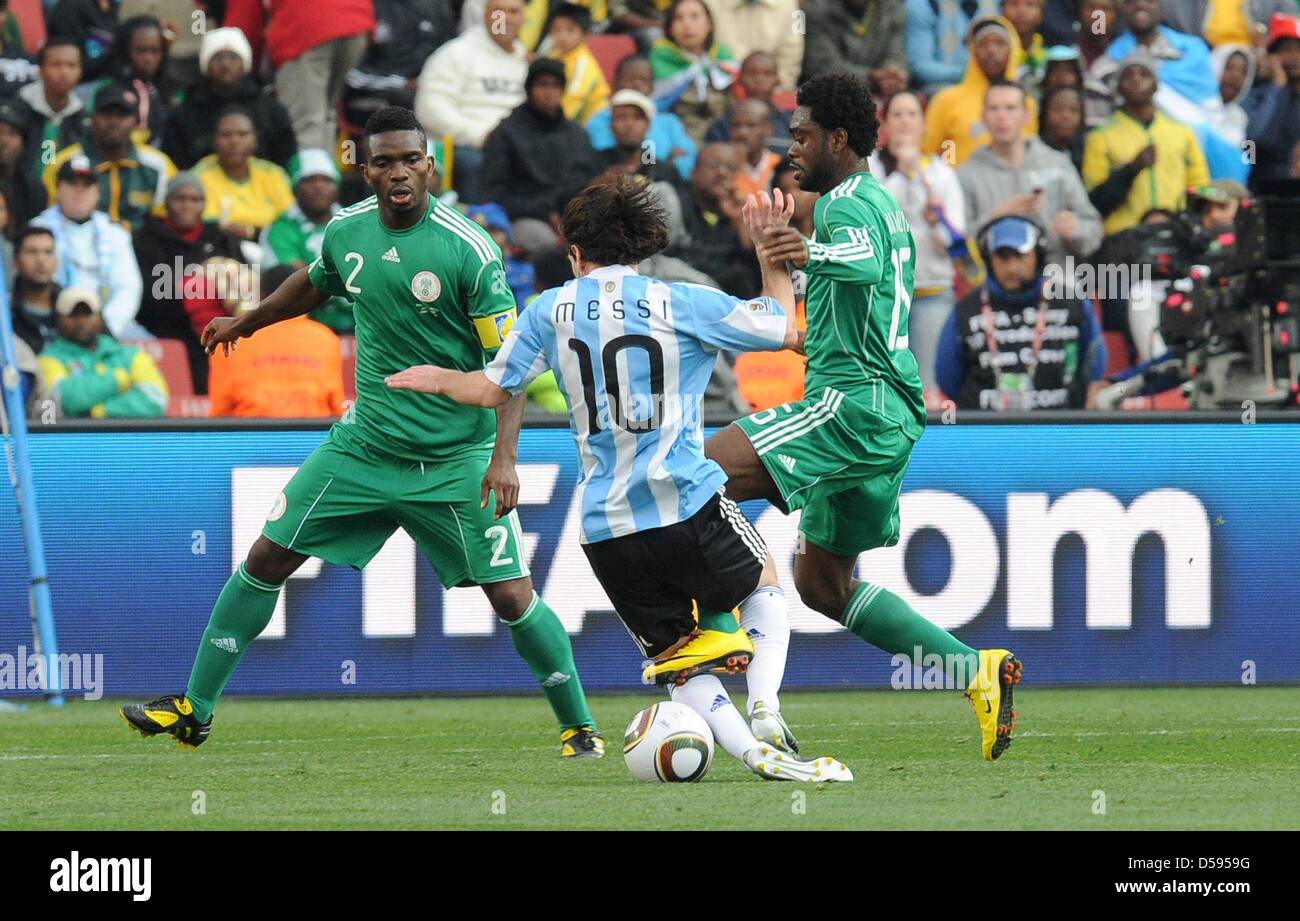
312 46
470 84
936 44
170 249
225 60
54 114
27 195
953 126
536 160
1234 67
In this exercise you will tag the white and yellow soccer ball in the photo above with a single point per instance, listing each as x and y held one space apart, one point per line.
668 742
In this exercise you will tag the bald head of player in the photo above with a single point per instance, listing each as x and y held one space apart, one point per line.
614 222
834 130
397 165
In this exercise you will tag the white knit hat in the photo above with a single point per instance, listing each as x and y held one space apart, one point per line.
228 38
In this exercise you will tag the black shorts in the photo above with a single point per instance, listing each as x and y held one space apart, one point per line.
714 557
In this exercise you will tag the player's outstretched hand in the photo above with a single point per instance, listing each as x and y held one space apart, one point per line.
220 331
502 481
784 244
763 214
421 378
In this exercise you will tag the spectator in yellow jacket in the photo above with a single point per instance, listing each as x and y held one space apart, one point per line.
89 373
1139 159
244 193
586 91
954 126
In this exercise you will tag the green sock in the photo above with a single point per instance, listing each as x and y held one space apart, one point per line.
887 622
722 621
540 640
242 611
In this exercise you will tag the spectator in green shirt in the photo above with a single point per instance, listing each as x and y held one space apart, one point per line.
89 373
295 237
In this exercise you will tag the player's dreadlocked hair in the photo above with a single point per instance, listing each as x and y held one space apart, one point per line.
837 100
616 221
391 118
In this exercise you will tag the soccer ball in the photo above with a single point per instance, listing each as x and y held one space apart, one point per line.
668 742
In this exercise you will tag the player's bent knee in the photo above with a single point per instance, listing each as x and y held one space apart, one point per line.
510 599
268 562
821 594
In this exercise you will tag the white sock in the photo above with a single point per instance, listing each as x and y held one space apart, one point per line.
765 617
706 696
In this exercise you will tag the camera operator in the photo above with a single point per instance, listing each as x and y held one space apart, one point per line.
1205 228
1014 343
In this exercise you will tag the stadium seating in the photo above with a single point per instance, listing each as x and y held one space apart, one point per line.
609 50
31 22
174 363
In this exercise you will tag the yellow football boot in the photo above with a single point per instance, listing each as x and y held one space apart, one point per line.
990 694
706 651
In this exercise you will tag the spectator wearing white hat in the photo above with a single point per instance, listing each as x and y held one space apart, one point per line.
295 237
225 60
93 252
469 85
89 373
312 47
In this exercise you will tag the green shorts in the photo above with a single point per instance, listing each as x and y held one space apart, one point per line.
344 503
841 460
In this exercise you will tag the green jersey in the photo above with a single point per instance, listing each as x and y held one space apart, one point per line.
861 262
434 293
294 237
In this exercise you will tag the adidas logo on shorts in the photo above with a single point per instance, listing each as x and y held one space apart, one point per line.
391 255
226 644
787 461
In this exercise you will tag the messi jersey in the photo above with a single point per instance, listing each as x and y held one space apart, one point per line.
861 263
633 356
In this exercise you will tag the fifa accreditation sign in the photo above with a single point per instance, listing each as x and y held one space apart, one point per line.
1135 552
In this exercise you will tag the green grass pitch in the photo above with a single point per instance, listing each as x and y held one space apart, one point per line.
1158 759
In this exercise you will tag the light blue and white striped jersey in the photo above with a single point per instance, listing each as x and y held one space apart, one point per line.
633 356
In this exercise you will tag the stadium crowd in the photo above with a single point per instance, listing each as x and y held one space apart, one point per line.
141 189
